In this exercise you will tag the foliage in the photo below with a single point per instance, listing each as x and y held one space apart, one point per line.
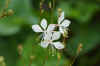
16 29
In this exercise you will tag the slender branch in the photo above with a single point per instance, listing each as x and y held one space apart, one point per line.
23 61
59 58
79 49
44 61
52 10
30 61
7 3
64 41
74 60
31 57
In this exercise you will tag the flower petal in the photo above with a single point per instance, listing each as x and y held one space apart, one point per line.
56 35
47 35
61 30
51 27
44 44
61 18
37 28
65 23
44 23
58 45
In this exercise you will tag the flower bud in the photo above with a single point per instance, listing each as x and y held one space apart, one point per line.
10 12
65 34
42 11
50 5
58 56
41 5
59 11
3 64
1 59
32 57
79 48
20 49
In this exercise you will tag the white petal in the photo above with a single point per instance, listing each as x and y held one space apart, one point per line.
56 35
47 35
44 23
61 18
61 30
36 28
65 23
51 27
44 44
58 45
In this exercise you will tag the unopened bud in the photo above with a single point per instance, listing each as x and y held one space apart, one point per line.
58 56
42 11
20 49
3 64
32 57
79 48
41 5
50 5
10 12
1 59
59 11
4 13
65 35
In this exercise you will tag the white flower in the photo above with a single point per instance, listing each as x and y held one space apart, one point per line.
63 24
49 39
44 28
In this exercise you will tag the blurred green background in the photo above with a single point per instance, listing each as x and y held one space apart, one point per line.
17 29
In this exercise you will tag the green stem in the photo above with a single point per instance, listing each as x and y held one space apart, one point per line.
52 10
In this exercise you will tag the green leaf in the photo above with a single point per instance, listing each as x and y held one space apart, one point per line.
89 36
80 10
22 15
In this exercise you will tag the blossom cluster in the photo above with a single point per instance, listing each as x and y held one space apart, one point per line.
50 34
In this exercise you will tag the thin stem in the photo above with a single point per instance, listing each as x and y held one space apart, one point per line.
77 54
44 61
51 15
23 61
30 62
53 4
74 60
52 10
7 3
59 58
31 57
64 41
41 9
58 62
